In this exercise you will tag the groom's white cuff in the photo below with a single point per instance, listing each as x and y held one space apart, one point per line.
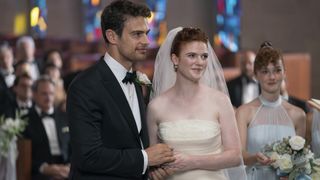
145 161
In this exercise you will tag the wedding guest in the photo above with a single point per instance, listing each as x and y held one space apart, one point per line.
191 111
313 128
55 74
244 88
54 57
20 99
6 75
48 133
22 67
267 118
6 64
25 51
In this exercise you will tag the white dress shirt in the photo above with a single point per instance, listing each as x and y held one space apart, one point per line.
129 90
250 91
8 76
51 131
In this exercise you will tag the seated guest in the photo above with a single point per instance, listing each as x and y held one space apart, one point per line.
6 64
54 73
244 88
49 134
22 96
22 67
25 51
54 57
6 75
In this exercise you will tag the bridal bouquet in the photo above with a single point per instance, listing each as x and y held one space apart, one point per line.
292 158
9 130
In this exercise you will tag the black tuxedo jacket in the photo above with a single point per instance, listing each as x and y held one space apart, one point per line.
235 88
104 138
299 103
35 131
7 105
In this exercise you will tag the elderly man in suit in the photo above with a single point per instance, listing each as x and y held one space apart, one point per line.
49 133
109 136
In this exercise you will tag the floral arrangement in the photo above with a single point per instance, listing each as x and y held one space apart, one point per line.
9 130
293 158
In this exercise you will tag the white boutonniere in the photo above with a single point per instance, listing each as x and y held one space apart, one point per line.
143 79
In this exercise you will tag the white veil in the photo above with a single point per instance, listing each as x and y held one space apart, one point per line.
165 77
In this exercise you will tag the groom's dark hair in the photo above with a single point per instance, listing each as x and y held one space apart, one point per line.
115 14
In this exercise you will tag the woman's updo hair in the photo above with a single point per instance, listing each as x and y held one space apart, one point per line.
186 35
266 54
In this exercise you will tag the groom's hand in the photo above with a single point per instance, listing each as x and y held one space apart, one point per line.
159 154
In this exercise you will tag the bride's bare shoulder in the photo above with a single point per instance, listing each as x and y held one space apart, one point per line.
215 94
160 100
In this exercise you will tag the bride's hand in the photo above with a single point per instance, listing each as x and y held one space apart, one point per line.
264 160
183 162
160 173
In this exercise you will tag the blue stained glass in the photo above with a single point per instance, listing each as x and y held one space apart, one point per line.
228 24
36 30
158 7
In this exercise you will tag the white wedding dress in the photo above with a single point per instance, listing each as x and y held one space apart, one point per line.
194 137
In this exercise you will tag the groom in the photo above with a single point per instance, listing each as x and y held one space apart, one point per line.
109 136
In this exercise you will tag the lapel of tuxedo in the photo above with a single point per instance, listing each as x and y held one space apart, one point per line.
39 128
144 131
113 87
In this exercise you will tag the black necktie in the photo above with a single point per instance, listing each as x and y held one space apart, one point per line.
130 77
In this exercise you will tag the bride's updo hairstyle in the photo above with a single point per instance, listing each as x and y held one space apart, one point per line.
267 54
187 35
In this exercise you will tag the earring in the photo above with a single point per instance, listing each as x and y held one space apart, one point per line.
175 67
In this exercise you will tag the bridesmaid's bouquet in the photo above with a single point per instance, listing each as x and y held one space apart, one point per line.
9 130
293 158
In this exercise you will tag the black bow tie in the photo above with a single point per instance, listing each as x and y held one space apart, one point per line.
130 77
44 114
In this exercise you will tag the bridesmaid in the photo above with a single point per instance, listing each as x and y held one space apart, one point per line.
267 118
313 128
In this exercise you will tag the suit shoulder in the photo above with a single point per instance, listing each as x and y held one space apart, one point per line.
85 77
235 80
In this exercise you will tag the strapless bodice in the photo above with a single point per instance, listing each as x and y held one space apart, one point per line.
194 137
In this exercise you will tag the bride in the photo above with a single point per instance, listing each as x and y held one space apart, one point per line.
191 111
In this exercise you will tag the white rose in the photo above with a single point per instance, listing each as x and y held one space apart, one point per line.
143 78
297 142
310 155
285 163
308 168
275 156
317 162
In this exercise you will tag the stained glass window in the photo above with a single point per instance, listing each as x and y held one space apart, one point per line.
157 23
92 15
228 24
38 18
